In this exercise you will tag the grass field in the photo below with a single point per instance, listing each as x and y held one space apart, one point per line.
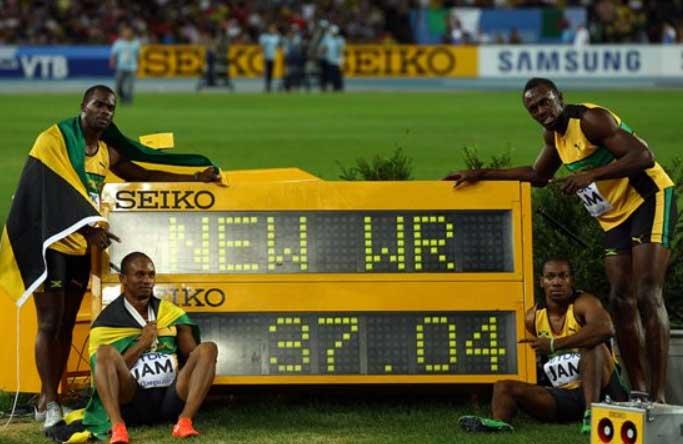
324 419
315 132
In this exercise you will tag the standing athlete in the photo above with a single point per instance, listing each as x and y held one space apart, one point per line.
50 229
617 179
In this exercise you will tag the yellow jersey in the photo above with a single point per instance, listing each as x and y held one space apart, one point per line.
557 370
611 201
96 169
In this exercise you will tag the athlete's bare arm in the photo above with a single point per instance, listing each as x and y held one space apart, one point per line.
596 324
132 172
186 342
631 152
543 169
530 320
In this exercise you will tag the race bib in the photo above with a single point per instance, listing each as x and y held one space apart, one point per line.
595 203
563 369
155 370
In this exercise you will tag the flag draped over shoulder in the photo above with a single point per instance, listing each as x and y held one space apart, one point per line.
116 327
52 200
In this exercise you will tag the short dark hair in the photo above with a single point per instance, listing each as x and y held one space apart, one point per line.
560 260
538 81
129 258
90 91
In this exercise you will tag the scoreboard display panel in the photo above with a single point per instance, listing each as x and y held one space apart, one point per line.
321 241
308 281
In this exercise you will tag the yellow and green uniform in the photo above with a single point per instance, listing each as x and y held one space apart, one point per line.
570 327
96 169
563 369
612 201
114 326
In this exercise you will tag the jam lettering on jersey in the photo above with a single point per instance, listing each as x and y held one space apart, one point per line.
563 369
155 370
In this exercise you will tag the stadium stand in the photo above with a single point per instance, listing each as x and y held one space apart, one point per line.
39 22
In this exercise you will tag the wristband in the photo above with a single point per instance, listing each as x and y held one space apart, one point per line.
552 345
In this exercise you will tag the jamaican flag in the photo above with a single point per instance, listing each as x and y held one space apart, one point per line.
116 327
52 200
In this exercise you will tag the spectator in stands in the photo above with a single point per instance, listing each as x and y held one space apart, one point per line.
124 60
668 33
333 48
216 69
317 63
515 37
269 41
455 34
581 37
293 45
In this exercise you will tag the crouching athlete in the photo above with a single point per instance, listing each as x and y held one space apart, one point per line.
572 330
147 361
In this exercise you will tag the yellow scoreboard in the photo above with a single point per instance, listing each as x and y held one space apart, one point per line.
300 280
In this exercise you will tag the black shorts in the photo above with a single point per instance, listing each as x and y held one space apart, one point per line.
653 221
153 405
570 404
66 272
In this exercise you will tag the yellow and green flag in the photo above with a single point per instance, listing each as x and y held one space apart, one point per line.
52 201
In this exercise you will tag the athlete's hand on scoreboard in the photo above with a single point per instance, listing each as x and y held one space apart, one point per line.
98 237
575 182
464 176
149 334
210 174
540 345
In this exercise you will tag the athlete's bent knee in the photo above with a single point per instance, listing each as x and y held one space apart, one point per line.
505 388
105 354
208 351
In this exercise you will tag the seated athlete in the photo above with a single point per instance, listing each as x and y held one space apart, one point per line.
149 365
572 329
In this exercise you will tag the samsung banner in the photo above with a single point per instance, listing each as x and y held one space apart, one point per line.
605 61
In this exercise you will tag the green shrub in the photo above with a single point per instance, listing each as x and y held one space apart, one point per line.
397 167
549 241
673 289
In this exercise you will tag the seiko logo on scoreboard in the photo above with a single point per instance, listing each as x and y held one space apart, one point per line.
193 297
164 200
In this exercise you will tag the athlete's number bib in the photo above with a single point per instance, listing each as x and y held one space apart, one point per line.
563 369
595 203
155 370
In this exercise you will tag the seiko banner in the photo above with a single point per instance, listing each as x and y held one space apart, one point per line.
606 61
359 61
